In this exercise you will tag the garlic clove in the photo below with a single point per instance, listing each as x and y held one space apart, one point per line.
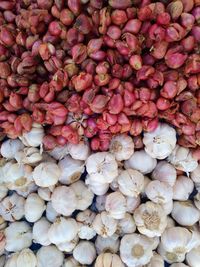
26 258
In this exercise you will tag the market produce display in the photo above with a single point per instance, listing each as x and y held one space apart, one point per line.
99 133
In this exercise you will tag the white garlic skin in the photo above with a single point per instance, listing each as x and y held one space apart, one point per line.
104 225
150 219
59 152
182 159
165 172
34 137
122 147
193 257
100 202
182 188
79 151
46 174
29 155
3 191
107 244
159 192
18 236
45 193
141 162
132 203
185 213
108 260
85 220
116 205
131 182
12 207
70 262
83 194
49 256
167 207
71 170
34 207
51 213
136 249
62 230
64 200
126 225
156 261
84 252
10 147
195 174
102 167
11 261
40 232
26 258
160 142
68 246
98 189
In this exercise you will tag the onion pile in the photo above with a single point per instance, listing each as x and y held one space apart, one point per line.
97 68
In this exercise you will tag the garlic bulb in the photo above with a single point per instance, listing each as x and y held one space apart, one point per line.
156 261
126 225
46 174
175 242
51 213
62 230
141 161
193 257
116 205
182 188
150 219
45 192
18 236
10 147
59 152
34 137
195 175
79 151
13 172
165 172
182 159
12 260
34 207
170 222
29 155
83 194
71 170
122 147
131 182
102 167
107 244
167 207
136 249
26 258
12 207
185 213
132 203
160 142
49 256
40 232
84 252
108 260
100 202
64 200
104 225
97 188
71 262
68 246
85 220
159 192
3 191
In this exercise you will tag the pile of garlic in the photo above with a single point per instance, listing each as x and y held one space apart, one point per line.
70 207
